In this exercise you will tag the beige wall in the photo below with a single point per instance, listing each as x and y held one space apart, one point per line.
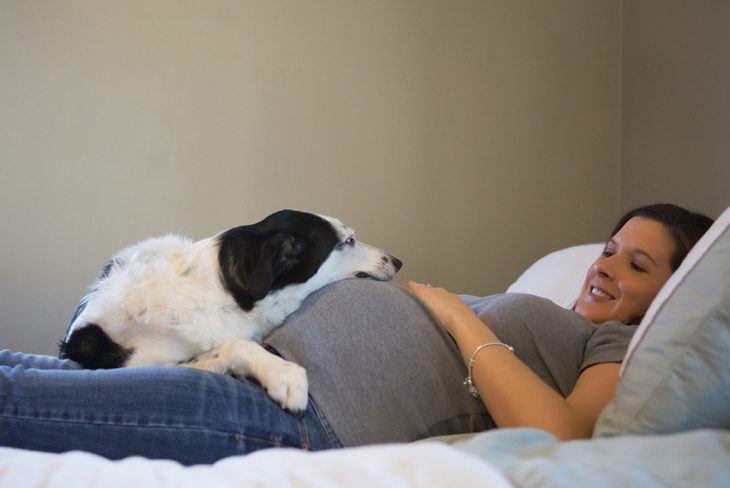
676 104
466 137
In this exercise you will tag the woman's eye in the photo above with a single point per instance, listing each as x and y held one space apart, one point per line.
606 253
638 268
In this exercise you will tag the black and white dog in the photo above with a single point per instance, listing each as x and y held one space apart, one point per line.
206 304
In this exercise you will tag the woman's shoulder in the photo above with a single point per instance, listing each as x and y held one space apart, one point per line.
608 343
613 331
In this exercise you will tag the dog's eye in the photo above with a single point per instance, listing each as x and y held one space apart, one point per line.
349 242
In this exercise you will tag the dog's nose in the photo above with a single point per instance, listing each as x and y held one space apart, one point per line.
397 263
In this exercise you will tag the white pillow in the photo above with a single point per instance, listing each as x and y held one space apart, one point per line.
558 275
676 374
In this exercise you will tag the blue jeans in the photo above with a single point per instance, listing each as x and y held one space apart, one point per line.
170 412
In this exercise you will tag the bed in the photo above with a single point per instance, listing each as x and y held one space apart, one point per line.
668 424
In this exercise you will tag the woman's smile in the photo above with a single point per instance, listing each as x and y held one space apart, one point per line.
600 294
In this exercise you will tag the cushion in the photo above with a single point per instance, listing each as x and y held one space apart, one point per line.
558 275
676 375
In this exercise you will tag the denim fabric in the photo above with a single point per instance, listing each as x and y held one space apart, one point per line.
168 412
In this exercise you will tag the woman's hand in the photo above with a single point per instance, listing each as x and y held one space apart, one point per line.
447 307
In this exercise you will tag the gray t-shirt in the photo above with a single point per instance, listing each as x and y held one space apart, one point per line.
381 369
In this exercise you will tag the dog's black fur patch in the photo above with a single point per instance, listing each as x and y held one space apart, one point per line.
286 247
94 349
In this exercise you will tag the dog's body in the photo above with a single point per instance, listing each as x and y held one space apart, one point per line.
206 304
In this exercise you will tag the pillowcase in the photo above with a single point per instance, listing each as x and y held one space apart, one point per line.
676 374
558 275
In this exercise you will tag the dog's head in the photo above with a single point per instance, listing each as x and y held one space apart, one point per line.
291 247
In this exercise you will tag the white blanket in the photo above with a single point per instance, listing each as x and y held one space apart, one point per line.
428 465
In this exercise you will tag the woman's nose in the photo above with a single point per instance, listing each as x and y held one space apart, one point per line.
604 266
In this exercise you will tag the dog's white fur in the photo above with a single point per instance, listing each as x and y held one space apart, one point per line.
164 300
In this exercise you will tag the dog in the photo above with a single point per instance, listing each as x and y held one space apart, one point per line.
207 304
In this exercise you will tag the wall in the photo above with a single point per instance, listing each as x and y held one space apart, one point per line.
467 138
675 129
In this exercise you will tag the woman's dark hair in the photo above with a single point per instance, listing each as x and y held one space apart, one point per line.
685 227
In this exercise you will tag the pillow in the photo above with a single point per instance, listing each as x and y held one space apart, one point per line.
676 373
558 275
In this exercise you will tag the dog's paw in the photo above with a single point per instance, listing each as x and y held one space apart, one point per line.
287 384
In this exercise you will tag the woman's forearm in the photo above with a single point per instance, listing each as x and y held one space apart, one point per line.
513 394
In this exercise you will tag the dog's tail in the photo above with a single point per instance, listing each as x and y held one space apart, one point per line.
91 347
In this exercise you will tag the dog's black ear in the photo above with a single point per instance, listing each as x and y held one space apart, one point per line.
249 272
283 251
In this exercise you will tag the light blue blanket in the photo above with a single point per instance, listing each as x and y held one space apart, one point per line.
533 458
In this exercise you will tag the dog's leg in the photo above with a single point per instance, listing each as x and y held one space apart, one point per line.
283 380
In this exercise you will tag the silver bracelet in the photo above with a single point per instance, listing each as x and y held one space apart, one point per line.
469 381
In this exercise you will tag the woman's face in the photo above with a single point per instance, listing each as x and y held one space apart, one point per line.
633 267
